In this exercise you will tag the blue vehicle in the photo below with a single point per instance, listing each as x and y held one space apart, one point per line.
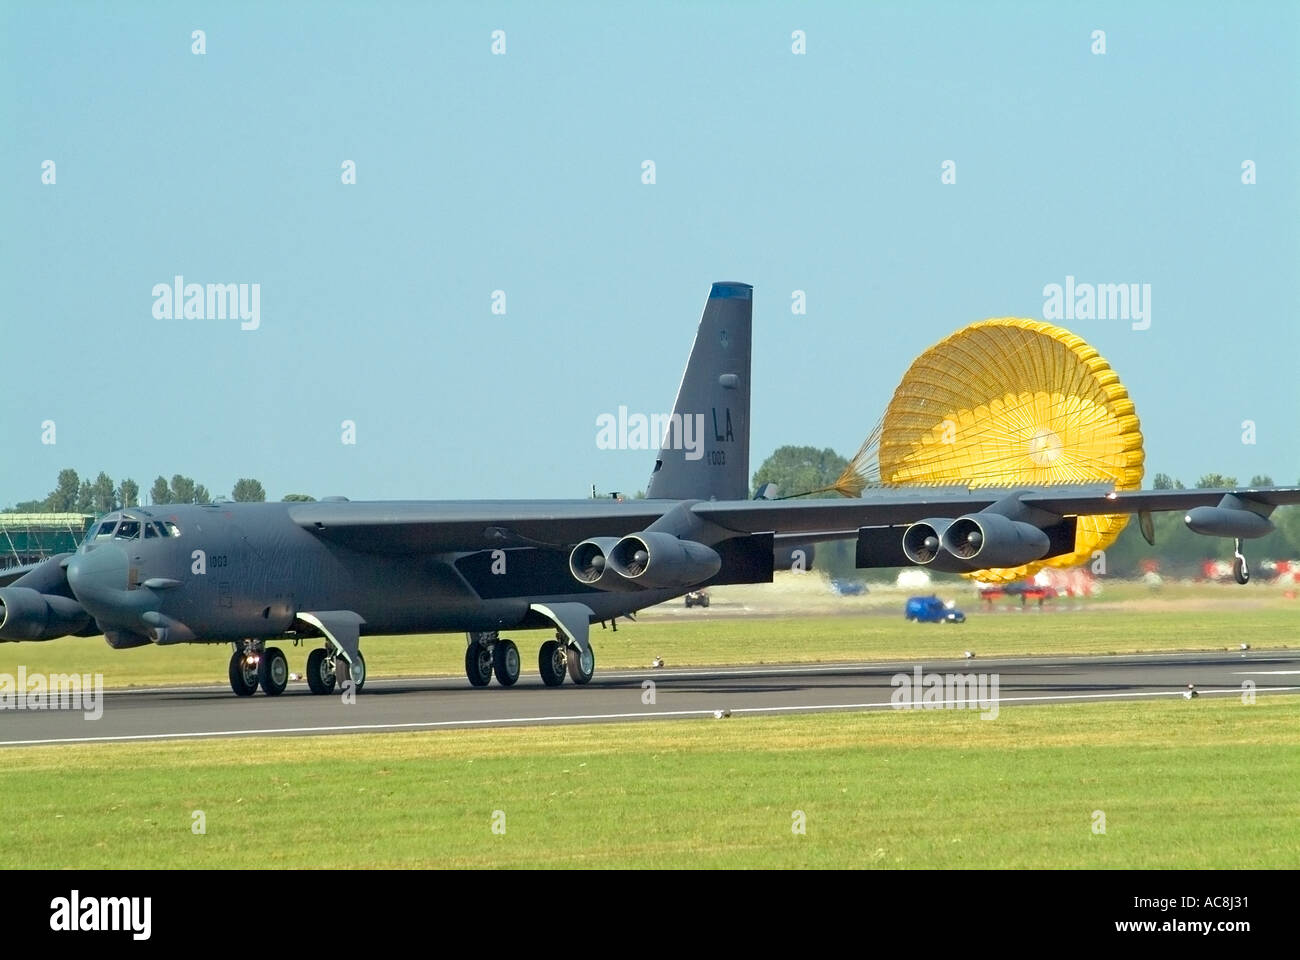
848 588
932 610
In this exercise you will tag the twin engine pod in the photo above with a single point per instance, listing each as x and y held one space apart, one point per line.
973 542
648 560
26 614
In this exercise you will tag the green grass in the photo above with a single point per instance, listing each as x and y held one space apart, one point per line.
705 639
1210 783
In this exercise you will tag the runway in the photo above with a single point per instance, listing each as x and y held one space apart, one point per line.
623 696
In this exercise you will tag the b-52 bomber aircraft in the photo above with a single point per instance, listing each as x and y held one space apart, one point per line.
250 573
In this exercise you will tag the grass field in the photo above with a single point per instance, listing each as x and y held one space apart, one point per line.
1210 783
704 638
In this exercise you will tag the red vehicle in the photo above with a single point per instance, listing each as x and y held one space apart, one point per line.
1026 590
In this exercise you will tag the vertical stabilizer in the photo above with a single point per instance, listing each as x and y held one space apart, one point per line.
705 452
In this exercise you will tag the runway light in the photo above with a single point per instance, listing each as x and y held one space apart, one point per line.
970 655
1190 692
657 662
1245 646
295 676
719 714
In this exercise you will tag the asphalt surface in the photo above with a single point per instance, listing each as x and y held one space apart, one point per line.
621 695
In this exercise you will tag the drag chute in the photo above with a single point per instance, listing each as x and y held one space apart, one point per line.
1008 402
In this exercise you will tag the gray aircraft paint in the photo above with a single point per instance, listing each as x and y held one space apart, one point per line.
715 389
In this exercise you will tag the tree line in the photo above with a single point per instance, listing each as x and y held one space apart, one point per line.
73 494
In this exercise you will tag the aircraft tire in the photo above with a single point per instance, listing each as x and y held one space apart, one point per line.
349 673
273 671
505 662
478 664
320 673
581 668
551 663
243 680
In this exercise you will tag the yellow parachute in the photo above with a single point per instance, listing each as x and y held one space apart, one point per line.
1008 402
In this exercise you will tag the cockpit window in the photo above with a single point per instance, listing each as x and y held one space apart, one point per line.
129 530
172 529
106 528
149 531
158 529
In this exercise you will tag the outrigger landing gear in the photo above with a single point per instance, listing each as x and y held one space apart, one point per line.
1240 568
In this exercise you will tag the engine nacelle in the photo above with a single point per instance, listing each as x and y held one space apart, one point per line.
923 546
658 560
984 540
26 614
589 564
1224 521
125 640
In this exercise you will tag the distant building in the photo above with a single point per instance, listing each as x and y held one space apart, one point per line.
33 537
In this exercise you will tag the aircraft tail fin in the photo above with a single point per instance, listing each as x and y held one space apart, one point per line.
705 452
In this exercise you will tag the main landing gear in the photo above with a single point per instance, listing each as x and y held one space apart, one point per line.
558 657
1240 568
254 665
487 654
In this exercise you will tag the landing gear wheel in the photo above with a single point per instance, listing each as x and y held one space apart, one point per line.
551 663
581 665
273 671
356 672
1240 569
505 662
478 664
243 674
320 671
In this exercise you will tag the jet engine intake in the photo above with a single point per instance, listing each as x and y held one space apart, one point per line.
984 540
923 546
589 564
660 560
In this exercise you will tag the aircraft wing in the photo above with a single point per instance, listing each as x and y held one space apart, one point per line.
454 526
9 574
841 518
450 526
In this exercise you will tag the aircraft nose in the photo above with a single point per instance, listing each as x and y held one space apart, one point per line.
98 573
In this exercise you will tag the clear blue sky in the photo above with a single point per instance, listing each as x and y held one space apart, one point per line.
522 173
